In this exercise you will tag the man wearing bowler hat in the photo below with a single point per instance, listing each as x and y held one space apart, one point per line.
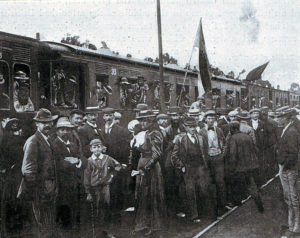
40 174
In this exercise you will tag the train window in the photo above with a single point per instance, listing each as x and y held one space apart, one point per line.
132 91
21 88
182 92
230 96
216 94
4 85
103 90
65 82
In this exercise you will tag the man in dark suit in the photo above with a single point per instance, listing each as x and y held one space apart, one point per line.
190 157
88 132
70 166
216 144
242 165
40 175
116 139
259 129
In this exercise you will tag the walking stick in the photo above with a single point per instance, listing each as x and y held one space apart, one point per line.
93 219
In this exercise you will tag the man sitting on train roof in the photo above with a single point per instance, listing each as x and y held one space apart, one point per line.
22 101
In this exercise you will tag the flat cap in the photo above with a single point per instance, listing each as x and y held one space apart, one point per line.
210 113
96 142
254 110
162 116
108 110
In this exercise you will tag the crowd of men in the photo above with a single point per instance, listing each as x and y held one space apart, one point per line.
81 170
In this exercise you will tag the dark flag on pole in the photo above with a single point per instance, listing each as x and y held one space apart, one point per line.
256 73
203 59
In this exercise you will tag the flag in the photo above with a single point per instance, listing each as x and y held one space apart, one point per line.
205 75
256 73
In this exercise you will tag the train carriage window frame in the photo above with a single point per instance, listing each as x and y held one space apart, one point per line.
3 94
22 80
63 79
102 90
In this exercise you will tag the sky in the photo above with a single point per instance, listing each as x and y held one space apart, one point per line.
239 34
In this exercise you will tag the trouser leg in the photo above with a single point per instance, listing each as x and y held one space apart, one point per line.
189 180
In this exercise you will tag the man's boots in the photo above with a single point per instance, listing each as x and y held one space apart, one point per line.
297 220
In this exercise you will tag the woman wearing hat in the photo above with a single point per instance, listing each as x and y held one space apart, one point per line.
10 165
151 208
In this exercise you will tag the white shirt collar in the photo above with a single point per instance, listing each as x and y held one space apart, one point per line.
285 128
191 137
65 142
94 157
92 125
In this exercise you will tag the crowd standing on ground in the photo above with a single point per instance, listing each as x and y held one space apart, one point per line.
73 170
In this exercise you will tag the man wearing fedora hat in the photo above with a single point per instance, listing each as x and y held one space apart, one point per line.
288 155
70 166
190 157
40 175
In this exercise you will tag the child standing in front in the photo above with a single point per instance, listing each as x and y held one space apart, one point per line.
98 176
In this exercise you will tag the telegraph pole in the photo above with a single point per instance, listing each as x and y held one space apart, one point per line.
161 66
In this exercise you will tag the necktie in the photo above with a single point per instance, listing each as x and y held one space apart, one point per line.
195 139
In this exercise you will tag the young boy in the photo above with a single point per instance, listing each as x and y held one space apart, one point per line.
98 176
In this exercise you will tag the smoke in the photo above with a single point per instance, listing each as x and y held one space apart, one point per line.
249 21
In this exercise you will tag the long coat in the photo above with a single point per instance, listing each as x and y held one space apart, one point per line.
242 153
69 176
39 168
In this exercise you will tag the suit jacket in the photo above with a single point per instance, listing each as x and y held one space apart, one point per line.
117 143
220 135
181 149
39 168
86 134
68 173
288 152
259 134
242 153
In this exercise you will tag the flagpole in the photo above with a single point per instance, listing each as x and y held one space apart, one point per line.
185 75
161 73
